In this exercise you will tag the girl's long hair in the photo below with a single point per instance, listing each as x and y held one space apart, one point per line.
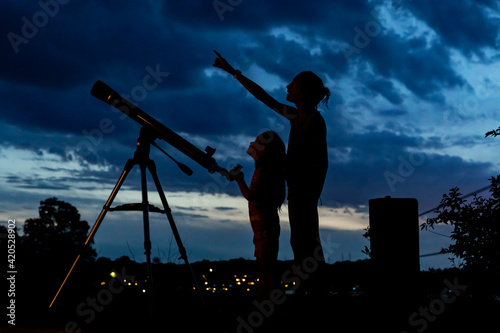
274 158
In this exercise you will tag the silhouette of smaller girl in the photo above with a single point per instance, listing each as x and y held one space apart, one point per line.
265 195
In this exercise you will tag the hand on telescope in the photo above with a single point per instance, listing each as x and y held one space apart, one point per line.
222 63
237 173
240 180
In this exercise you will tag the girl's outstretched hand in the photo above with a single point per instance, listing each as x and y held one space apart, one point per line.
236 173
221 63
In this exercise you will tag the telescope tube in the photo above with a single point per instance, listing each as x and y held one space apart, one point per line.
105 93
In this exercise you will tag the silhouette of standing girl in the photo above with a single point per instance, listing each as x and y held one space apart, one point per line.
265 195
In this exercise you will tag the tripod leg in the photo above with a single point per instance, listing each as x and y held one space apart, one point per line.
182 250
147 239
126 170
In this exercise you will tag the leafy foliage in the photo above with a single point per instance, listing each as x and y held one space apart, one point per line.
366 235
493 133
476 227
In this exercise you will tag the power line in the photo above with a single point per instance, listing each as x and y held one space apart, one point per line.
437 233
462 197
431 254
434 209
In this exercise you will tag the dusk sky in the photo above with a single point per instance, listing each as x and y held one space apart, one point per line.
415 86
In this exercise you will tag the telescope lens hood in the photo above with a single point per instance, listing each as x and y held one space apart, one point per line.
102 91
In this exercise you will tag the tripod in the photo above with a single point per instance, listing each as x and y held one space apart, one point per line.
141 158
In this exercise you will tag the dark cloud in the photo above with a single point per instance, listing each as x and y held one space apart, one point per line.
392 113
386 88
225 208
424 70
462 24
377 164
49 78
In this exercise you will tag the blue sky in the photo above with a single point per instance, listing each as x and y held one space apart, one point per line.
415 85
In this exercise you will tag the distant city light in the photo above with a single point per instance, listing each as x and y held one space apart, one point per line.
244 281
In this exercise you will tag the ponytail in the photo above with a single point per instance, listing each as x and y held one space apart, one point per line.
326 96
314 88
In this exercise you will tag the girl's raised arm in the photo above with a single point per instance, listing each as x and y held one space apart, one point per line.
253 87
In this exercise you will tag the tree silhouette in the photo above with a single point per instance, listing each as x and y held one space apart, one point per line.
44 254
57 235
476 228
4 232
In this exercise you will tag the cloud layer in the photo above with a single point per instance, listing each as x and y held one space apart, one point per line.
414 88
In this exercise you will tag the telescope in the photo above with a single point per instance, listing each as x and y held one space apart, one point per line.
105 93
151 130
